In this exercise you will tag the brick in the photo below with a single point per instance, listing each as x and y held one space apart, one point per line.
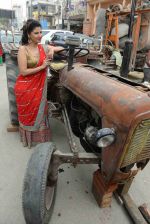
102 191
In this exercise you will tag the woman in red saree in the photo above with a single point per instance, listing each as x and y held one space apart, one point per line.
31 86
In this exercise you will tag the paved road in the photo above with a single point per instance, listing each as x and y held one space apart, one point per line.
74 202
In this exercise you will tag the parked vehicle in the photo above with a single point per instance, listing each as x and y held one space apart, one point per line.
50 35
58 39
6 40
44 32
17 38
84 38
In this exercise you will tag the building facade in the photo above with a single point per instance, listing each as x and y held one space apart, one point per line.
6 19
18 21
75 14
48 12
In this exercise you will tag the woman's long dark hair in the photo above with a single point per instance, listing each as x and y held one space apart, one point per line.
30 25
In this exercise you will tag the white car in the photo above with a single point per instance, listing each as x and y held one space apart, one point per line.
44 32
51 33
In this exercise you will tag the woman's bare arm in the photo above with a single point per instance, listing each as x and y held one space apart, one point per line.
56 49
52 50
22 63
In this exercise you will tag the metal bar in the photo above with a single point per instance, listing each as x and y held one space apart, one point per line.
145 212
117 31
133 6
132 209
59 158
124 188
136 40
109 22
67 130
71 56
72 143
83 158
128 12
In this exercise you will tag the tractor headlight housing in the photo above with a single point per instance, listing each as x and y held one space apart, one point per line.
100 138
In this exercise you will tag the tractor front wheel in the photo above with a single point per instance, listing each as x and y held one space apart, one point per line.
38 195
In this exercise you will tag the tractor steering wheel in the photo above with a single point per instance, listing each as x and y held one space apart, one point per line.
79 52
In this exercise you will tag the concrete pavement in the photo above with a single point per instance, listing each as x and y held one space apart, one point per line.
74 202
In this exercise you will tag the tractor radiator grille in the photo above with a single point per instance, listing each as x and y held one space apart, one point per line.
139 147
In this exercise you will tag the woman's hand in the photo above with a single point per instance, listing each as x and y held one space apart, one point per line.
45 64
50 53
52 50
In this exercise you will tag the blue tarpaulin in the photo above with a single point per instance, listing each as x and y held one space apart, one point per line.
44 23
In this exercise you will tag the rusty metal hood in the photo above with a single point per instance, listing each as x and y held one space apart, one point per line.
108 96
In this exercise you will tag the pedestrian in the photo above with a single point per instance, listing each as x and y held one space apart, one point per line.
146 68
31 86
1 55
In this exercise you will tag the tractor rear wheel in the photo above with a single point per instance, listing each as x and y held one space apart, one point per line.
12 73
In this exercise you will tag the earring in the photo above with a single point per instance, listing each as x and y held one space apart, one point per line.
29 40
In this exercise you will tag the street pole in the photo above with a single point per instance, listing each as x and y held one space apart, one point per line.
62 19
12 28
38 12
11 13
68 22
31 9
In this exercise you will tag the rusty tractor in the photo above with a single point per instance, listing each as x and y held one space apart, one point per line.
111 117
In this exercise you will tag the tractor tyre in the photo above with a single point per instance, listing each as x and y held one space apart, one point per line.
37 206
12 73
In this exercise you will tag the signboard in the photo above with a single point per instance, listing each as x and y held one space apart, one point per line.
76 7
35 2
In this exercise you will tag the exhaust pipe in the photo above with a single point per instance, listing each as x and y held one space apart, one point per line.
128 44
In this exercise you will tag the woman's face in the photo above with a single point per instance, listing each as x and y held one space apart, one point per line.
36 35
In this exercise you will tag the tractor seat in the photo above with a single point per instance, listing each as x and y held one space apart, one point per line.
57 66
